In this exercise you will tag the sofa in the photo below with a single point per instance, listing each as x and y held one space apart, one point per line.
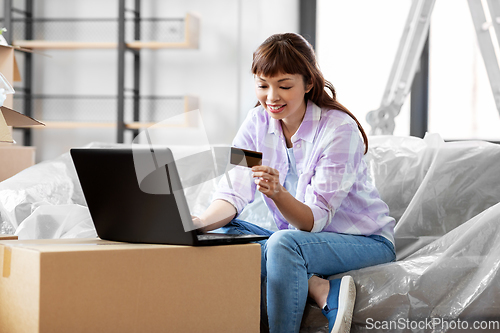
444 196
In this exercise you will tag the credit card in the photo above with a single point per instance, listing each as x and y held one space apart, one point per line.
244 157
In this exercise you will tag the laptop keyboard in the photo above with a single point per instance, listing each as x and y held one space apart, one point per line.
220 236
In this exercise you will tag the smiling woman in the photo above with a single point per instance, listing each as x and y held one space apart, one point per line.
313 179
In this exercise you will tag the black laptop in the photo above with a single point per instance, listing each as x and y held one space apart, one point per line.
135 195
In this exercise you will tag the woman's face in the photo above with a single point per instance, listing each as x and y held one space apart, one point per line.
282 96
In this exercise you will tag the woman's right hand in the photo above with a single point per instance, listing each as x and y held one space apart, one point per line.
217 215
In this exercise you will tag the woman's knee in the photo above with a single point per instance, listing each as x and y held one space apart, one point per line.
281 240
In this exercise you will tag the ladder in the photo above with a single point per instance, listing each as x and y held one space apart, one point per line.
486 18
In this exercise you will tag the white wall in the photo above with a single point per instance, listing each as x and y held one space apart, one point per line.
218 72
357 41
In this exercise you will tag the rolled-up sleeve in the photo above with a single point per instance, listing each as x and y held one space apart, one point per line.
236 187
334 174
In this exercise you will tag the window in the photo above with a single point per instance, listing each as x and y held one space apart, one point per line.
356 44
357 41
461 104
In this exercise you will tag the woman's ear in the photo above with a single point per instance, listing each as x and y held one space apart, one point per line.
309 87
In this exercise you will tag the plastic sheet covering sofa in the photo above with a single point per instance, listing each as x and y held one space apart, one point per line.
444 195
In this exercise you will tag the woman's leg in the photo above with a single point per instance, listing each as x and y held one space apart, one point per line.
242 227
293 256
239 227
236 227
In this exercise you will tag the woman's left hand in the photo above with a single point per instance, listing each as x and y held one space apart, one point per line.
267 180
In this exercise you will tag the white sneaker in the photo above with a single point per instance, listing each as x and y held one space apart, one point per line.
347 298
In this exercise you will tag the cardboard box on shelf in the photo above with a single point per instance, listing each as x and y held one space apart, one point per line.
9 69
10 118
14 158
91 285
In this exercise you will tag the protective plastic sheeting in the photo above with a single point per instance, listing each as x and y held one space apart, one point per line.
48 183
445 197
57 221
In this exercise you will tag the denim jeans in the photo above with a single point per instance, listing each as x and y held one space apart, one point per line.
291 257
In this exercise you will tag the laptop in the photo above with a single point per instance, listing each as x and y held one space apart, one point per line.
135 195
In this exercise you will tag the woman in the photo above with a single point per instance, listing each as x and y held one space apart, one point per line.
314 180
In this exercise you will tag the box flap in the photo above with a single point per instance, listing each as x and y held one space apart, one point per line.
17 48
5 46
17 74
16 119
5 256
79 244
5 135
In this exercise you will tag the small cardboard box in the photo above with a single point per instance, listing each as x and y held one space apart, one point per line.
9 69
15 159
9 117
90 285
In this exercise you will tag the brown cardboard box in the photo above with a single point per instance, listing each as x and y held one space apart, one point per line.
7 237
14 159
91 285
9 117
9 69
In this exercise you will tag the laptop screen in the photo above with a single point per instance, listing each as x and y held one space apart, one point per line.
125 207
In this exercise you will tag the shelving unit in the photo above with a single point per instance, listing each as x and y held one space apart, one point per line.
155 109
190 40
124 36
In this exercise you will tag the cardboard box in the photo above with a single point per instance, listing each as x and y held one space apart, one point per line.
9 69
7 237
15 159
91 285
9 117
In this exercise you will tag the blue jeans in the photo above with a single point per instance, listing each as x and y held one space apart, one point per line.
291 257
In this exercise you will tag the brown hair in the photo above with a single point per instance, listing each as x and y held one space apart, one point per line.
290 53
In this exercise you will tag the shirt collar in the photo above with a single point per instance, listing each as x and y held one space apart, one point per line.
308 127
